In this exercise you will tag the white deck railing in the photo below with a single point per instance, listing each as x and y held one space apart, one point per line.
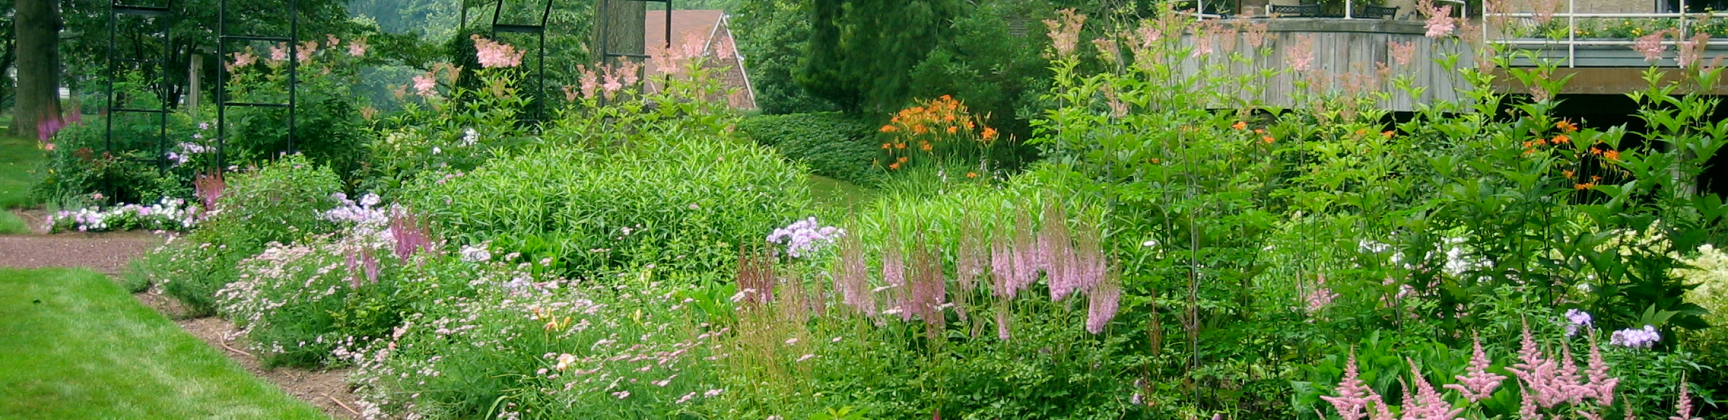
1572 41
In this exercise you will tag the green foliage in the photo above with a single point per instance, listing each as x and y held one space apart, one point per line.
831 144
295 303
685 202
327 125
866 68
774 35
77 346
279 203
488 346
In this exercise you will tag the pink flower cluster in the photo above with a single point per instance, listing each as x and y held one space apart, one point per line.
1065 33
493 54
1440 22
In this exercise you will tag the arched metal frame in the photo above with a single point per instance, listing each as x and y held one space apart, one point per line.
165 16
539 31
222 103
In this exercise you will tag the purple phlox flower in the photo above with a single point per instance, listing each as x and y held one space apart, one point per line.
1428 404
1477 383
1636 338
1352 400
1575 319
805 237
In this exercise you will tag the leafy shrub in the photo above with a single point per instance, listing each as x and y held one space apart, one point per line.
328 120
498 342
833 144
279 203
684 203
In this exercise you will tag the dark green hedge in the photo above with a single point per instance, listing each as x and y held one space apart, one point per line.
833 144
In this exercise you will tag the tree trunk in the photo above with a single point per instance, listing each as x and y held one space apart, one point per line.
619 28
37 27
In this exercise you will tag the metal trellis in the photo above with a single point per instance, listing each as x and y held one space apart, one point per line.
538 31
222 100
163 15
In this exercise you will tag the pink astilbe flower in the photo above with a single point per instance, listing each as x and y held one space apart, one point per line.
278 53
1651 45
590 81
1477 383
1402 52
1440 22
1002 270
1203 37
426 85
1057 246
1548 382
1320 297
970 260
929 287
357 47
242 59
611 86
1026 252
1300 54
208 188
307 49
894 272
410 235
1602 385
1102 302
628 73
1683 405
1002 318
1692 50
853 277
332 41
1108 49
492 54
1353 395
1428 404
1065 33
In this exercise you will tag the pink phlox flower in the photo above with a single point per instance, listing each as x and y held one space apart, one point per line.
1477 383
1428 404
1353 395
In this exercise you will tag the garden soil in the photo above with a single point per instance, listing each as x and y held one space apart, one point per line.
109 253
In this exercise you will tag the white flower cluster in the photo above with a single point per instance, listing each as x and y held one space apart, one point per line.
805 237
365 212
167 214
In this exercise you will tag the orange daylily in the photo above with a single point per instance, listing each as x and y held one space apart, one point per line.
1565 126
1612 155
971 174
1240 125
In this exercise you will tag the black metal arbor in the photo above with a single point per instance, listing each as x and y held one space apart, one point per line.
605 48
539 32
158 77
222 100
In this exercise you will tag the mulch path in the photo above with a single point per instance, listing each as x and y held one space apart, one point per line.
110 253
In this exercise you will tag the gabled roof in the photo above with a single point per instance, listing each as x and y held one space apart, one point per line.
685 24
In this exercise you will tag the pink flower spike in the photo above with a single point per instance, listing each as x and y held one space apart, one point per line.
1600 382
1352 400
1683 405
1477 383
1428 404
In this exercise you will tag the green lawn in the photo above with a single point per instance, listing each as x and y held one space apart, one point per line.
19 159
838 196
75 346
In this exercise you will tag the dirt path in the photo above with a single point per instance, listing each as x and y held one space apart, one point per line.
110 253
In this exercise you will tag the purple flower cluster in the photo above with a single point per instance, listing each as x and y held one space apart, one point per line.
1636 338
1575 319
365 212
805 237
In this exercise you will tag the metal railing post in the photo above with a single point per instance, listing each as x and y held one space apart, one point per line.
1571 34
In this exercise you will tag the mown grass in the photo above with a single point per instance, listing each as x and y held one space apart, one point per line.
20 160
73 345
